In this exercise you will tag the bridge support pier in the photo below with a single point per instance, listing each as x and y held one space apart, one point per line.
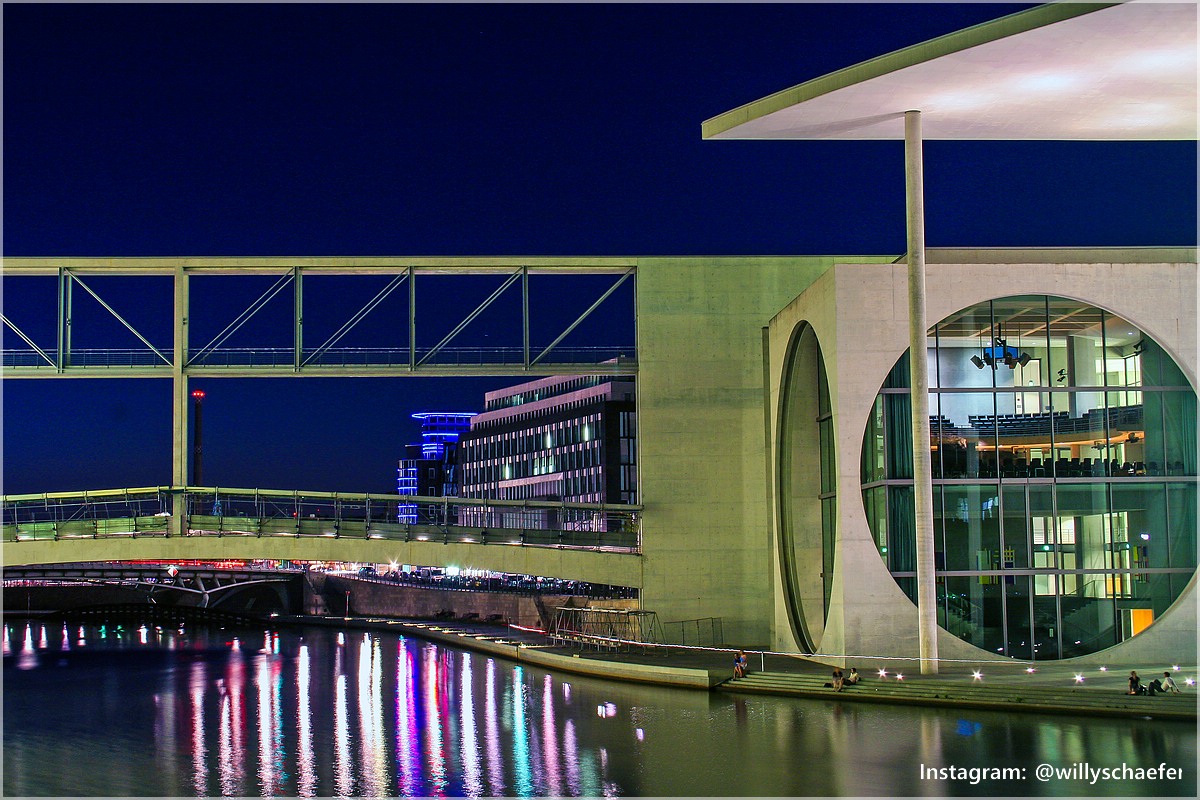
179 407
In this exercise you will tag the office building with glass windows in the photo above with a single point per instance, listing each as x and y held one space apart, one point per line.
568 438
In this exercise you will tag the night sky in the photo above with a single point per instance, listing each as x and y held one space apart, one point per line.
399 130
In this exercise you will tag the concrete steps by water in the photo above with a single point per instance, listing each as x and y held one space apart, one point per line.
967 694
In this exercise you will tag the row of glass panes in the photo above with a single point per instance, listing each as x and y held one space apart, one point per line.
533 395
976 527
543 437
1022 617
567 459
532 417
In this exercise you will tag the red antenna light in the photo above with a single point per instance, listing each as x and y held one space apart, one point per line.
198 394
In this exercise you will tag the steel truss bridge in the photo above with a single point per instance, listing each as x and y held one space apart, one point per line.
180 360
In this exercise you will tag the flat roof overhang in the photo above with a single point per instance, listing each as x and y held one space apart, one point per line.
1065 71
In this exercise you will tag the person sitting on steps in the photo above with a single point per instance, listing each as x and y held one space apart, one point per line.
739 665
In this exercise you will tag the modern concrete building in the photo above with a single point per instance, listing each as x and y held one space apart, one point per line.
1060 383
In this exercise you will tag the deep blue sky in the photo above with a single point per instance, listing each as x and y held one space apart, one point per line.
463 130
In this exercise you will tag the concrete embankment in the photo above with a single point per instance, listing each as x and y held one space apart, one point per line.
961 692
531 649
1047 692
342 594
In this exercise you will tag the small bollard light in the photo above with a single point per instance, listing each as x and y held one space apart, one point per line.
977 675
1078 678
883 673
899 677
1104 669
1030 670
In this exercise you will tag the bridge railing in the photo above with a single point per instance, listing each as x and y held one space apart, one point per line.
265 512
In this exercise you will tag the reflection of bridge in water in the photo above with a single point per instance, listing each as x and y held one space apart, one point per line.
598 543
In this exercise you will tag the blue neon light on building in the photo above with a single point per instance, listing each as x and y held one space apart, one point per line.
429 469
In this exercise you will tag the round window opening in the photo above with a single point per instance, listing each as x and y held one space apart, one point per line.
1063 450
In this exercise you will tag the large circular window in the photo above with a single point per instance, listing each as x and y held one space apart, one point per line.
1063 446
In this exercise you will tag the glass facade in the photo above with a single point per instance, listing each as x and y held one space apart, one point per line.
576 442
1063 447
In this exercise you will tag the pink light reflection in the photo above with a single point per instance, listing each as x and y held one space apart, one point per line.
550 739
491 721
472 784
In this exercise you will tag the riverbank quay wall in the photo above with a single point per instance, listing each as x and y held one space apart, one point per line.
387 599
807 681
535 654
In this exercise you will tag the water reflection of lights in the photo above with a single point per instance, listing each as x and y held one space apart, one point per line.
472 783
304 748
249 721
553 784
343 781
434 755
370 717
27 658
267 775
571 756
232 730
406 723
43 642
196 684
491 721
524 786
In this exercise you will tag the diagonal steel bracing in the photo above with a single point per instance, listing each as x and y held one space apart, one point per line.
471 317
582 317
27 340
119 318
357 317
242 318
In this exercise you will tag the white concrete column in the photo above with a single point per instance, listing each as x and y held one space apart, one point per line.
179 404
919 380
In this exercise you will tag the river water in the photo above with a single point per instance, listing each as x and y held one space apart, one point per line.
316 712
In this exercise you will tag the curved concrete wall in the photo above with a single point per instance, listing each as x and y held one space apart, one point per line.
860 315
